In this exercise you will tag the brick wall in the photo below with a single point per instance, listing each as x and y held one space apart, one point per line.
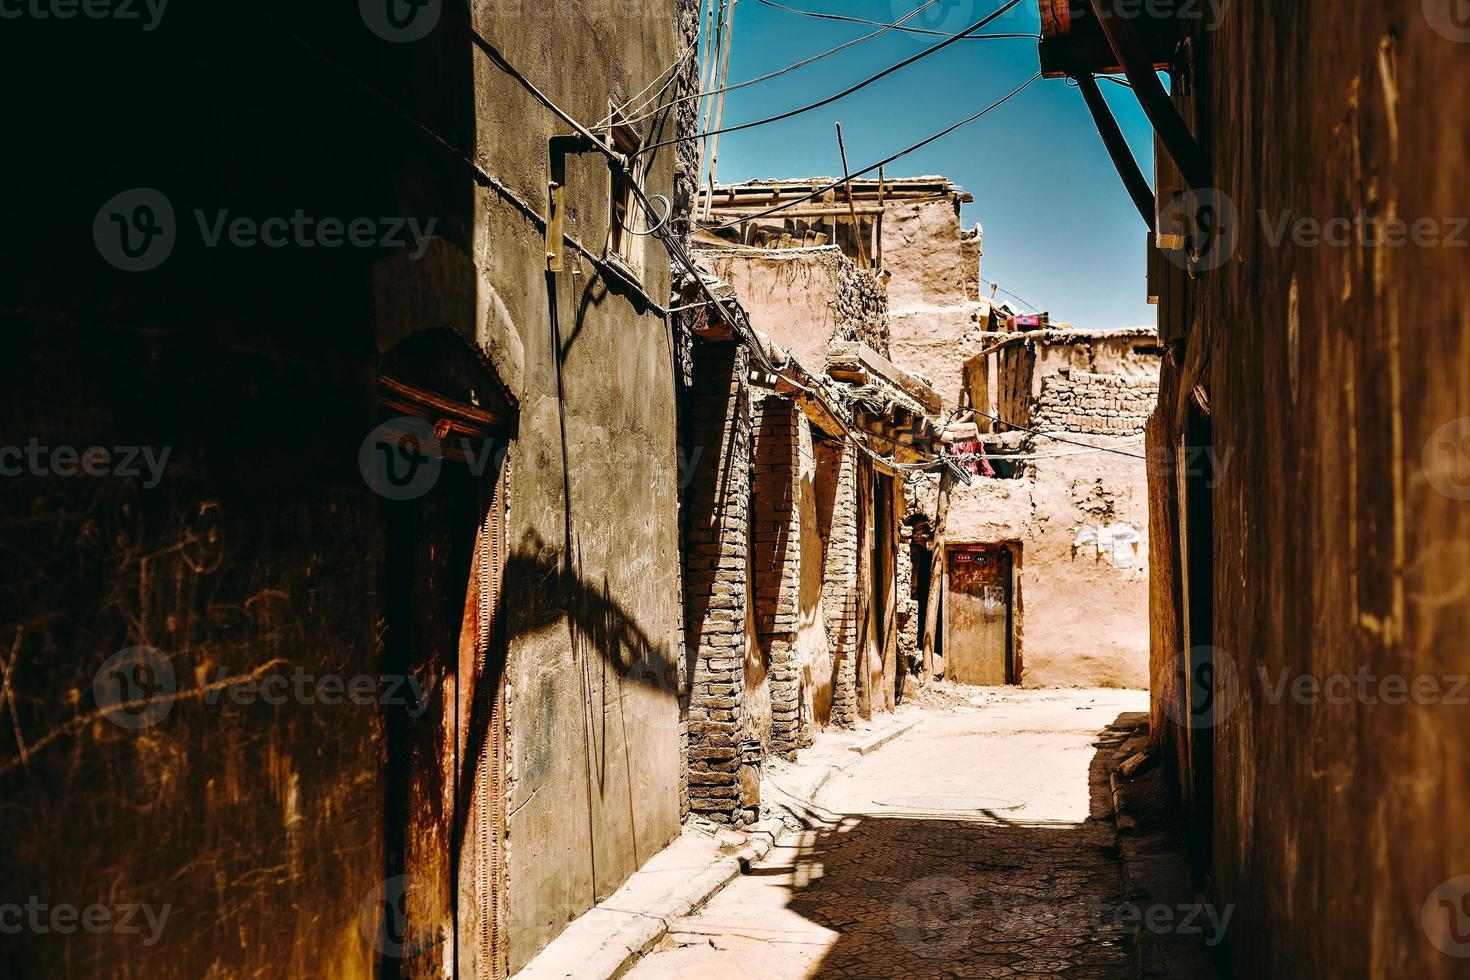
838 463
716 585
1095 404
776 562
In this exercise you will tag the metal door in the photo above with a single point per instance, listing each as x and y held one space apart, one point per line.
977 642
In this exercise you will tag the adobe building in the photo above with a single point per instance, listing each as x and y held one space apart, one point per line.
793 513
908 232
406 451
1045 565
1309 512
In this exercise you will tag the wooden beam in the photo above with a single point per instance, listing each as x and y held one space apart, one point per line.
1133 55
850 357
1117 146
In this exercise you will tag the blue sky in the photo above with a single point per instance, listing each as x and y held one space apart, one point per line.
1060 230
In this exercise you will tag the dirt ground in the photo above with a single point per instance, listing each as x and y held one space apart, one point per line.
977 844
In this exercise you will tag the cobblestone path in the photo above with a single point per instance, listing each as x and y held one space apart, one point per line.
968 847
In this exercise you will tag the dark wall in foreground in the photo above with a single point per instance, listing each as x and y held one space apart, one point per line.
1341 515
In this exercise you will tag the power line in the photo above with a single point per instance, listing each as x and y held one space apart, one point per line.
1046 435
883 29
860 20
881 163
1012 295
608 119
1012 4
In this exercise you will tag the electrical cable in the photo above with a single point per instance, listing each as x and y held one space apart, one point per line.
859 20
1044 435
622 111
933 49
1012 295
881 163
815 58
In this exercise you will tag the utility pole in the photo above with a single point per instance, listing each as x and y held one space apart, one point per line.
714 150
857 228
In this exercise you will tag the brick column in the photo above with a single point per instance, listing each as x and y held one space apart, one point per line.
840 579
776 562
715 582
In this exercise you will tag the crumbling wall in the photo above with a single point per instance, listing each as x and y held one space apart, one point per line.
804 298
1095 404
930 259
1086 619
716 576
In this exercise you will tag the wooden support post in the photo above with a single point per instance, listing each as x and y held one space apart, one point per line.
714 149
1133 55
857 228
1112 137
936 574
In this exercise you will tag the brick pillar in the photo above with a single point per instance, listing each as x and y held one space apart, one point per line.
776 562
715 582
840 579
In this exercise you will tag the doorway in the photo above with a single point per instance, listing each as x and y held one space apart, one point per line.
979 615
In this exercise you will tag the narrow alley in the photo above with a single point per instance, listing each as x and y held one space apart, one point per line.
558 490
979 842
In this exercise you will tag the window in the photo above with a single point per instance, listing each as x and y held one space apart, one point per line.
626 212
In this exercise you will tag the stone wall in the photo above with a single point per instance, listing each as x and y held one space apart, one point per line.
1095 404
716 581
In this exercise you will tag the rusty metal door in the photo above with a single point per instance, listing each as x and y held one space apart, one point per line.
978 617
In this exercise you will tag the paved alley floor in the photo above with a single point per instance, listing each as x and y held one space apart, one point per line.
963 848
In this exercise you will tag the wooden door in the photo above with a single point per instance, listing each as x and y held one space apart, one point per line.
444 817
978 616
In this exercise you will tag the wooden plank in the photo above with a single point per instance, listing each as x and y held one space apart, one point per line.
842 354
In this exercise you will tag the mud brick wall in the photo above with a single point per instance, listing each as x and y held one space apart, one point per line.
840 576
716 580
776 563
862 307
1095 404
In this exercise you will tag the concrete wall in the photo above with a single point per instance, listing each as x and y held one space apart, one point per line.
595 769
1339 525
262 547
